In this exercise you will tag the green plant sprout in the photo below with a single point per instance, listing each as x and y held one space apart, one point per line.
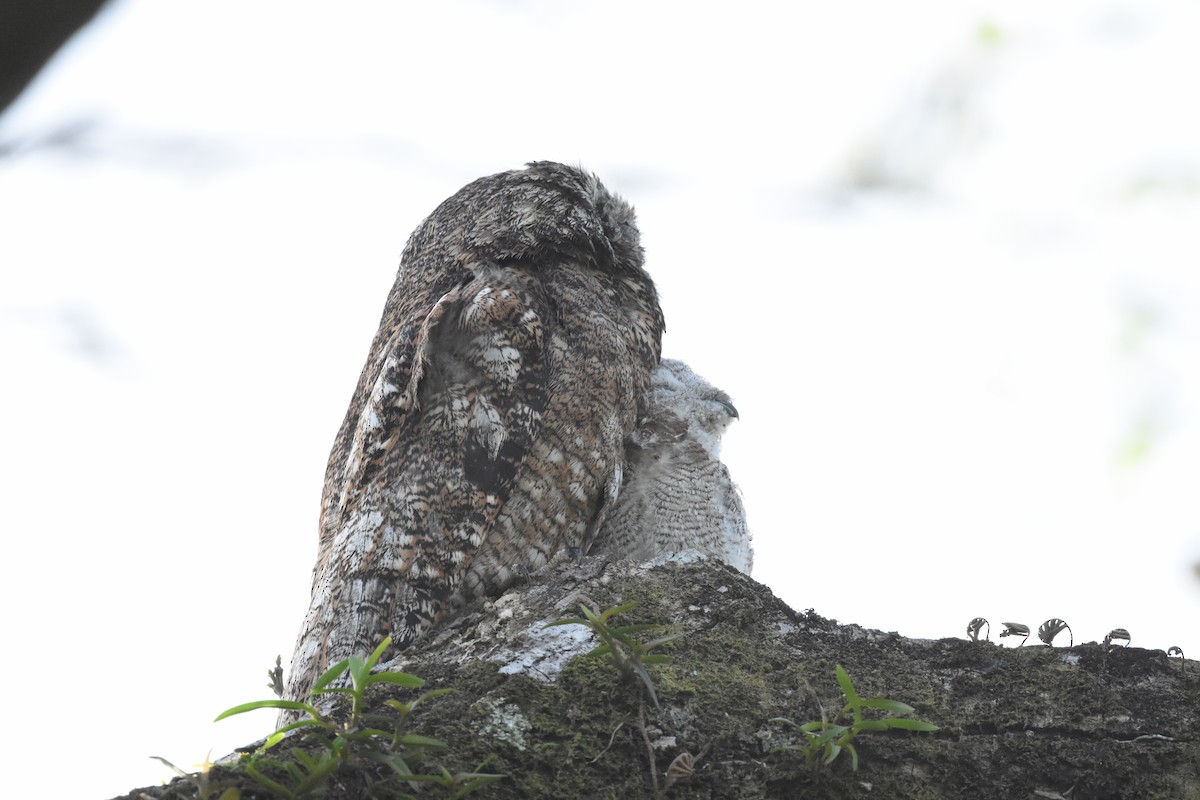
394 748
361 678
630 656
830 737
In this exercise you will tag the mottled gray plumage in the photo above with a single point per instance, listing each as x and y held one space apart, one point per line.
489 425
677 494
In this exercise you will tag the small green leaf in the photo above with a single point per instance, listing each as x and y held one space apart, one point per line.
323 769
304 758
431 694
825 737
364 733
442 779
628 629
263 780
610 634
414 740
329 675
661 641
843 680
910 724
472 781
377 654
398 764
893 706
853 757
359 670
303 723
397 678
612 612
872 725
244 707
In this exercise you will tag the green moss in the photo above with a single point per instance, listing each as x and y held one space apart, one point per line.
1013 721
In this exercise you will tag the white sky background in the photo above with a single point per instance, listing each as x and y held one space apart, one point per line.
948 276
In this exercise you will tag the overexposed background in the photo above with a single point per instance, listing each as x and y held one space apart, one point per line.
943 255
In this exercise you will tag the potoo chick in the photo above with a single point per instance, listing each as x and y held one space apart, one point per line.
677 494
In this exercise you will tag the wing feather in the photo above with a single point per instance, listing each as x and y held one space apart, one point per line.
487 429
452 415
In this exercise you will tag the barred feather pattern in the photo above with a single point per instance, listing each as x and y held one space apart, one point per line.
488 428
677 494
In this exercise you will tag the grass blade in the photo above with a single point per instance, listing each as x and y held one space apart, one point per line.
244 707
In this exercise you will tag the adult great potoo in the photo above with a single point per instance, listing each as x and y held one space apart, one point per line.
677 494
488 428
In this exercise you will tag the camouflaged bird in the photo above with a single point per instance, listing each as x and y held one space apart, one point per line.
677 494
488 429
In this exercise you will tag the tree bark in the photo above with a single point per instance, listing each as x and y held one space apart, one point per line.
1075 723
